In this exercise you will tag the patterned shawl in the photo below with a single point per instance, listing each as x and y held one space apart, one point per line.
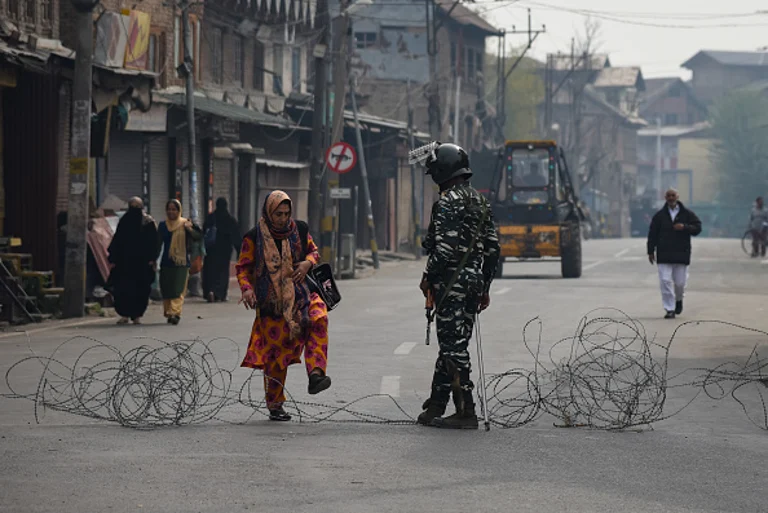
273 270
177 252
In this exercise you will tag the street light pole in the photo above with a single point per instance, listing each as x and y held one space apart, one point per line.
79 164
189 71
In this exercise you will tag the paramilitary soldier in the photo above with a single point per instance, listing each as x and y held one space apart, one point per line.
463 254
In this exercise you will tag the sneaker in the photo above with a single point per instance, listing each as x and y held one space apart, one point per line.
679 307
670 315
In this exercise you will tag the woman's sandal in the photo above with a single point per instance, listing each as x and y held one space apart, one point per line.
279 415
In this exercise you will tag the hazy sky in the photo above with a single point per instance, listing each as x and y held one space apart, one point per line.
652 34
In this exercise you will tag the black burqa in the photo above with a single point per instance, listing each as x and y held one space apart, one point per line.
219 254
133 249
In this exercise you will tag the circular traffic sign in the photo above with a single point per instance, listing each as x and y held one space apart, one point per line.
341 158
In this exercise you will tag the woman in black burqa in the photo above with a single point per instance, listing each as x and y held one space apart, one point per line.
216 270
133 254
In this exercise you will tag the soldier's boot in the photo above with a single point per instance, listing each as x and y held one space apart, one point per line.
464 418
432 410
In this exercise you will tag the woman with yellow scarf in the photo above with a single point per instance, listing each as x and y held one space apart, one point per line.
176 234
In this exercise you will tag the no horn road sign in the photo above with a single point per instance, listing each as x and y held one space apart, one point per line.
341 158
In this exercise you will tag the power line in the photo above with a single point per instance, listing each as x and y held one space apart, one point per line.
607 16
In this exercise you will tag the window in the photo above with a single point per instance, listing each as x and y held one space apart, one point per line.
217 56
45 11
479 61
178 46
13 9
365 39
528 176
670 119
310 81
258 65
152 53
454 56
239 60
30 11
296 69
277 69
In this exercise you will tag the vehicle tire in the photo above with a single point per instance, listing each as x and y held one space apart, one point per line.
570 259
746 242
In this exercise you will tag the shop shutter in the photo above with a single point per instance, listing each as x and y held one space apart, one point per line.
222 180
124 165
62 193
159 180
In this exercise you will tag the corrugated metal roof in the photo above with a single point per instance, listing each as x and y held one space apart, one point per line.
596 97
224 110
412 13
673 130
620 77
466 16
726 58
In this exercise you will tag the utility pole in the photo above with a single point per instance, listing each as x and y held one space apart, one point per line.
414 189
79 164
433 90
188 70
658 162
532 35
364 175
457 107
318 122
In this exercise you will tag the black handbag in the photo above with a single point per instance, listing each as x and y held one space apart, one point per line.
320 277
320 280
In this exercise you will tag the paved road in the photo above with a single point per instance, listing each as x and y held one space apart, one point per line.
707 458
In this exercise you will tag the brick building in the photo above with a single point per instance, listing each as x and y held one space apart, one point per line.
36 70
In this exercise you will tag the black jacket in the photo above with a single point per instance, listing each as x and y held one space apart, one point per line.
669 245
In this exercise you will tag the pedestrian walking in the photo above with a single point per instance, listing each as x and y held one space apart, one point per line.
177 235
758 224
133 255
290 319
463 254
222 236
669 246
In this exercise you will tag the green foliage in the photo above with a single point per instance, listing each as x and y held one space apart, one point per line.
740 128
524 94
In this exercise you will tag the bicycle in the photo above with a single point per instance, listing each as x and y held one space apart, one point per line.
746 243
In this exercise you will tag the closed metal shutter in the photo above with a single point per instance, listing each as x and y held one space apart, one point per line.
222 180
159 179
124 165
62 192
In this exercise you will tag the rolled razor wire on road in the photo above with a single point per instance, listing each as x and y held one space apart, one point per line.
608 375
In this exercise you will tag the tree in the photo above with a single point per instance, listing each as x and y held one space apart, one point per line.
524 94
740 128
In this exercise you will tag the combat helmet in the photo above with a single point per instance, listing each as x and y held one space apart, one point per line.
446 162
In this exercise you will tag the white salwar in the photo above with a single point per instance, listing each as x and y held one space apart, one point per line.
672 279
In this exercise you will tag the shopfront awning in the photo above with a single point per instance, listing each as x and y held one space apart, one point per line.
282 163
225 110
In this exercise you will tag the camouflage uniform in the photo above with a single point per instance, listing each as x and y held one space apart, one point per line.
455 220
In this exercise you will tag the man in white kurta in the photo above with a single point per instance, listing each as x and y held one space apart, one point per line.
669 245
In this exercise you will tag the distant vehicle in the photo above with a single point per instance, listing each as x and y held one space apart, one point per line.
536 210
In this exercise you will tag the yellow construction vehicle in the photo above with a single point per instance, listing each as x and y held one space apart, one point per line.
535 205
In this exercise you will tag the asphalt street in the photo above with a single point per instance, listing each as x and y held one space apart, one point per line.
708 457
